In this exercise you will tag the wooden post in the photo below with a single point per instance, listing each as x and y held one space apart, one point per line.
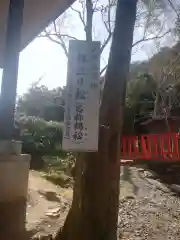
10 69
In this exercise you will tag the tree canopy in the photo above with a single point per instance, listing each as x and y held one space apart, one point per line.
41 102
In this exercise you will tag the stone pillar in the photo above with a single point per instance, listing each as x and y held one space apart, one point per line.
14 169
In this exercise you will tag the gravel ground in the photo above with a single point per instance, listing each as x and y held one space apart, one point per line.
150 212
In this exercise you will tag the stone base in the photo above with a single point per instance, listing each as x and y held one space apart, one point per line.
12 217
14 172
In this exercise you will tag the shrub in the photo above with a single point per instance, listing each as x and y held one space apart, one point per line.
41 138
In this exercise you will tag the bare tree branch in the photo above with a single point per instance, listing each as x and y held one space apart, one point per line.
107 24
144 39
80 16
61 40
46 34
55 36
95 6
106 41
83 6
173 8
55 27
63 45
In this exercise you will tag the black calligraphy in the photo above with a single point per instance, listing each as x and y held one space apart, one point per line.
93 85
80 94
78 135
82 58
79 123
80 81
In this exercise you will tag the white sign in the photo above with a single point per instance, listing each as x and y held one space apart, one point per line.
81 121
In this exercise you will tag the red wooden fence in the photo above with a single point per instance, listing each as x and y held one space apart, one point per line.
164 147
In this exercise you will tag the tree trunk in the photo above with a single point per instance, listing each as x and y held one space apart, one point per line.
94 211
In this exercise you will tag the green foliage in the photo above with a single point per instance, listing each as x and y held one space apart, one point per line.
41 102
141 92
139 100
129 115
41 127
154 88
40 137
141 88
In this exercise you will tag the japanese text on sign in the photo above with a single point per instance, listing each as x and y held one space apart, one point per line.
82 97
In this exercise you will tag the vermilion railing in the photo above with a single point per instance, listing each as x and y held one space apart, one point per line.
151 147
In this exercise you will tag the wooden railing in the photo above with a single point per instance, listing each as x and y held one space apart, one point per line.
163 147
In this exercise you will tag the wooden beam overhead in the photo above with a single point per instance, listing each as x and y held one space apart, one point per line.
37 15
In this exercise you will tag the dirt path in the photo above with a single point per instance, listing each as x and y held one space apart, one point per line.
47 206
